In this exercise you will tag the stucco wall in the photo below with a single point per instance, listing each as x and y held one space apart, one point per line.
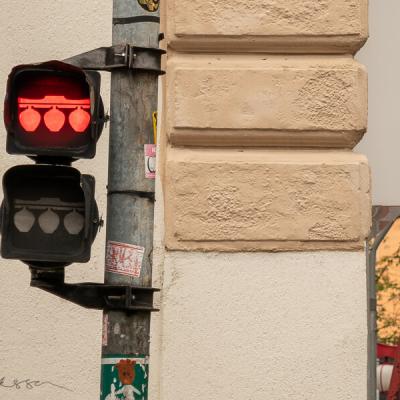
41 337
264 326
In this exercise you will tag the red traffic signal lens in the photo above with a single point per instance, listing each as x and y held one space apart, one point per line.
53 110
29 119
55 116
79 119
54 120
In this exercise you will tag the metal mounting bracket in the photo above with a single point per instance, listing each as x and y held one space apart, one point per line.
119 57
96 296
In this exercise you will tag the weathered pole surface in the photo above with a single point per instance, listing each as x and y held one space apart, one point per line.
130 214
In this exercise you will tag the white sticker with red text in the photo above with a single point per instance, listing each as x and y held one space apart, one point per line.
124 259
150 160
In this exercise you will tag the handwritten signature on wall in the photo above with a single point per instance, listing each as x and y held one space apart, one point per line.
27 384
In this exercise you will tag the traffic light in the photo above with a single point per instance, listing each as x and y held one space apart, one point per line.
54 114
53 109
48 214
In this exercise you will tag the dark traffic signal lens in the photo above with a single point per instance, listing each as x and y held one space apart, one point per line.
49 214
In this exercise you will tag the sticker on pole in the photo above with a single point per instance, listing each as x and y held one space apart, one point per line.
124 377
155 119
124 259
150 5
150 160
104 341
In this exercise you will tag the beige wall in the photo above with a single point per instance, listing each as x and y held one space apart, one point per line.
264 326
41 337
382 57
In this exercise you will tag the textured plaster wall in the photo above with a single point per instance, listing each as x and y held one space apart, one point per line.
264 326
41 337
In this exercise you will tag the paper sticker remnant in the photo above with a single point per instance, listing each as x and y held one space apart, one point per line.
105 330
124 259
150 160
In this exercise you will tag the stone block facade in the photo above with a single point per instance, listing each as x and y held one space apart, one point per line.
266 207
229 87
252 200
273 26
259 100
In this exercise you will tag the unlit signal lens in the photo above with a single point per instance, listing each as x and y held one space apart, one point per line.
74 223
49 221
24 220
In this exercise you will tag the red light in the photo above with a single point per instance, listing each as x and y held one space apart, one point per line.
29 119
79 120
52 111
54 120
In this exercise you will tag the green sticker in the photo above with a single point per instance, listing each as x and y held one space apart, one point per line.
124 377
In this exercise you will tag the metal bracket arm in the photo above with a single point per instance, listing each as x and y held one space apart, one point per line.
119 57
96 296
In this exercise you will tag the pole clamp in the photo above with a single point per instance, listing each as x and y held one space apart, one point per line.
97 296
123 56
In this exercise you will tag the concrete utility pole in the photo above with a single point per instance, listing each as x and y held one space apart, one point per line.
130 209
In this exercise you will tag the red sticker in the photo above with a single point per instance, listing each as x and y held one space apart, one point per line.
124 259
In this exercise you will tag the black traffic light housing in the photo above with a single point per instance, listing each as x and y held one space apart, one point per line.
49 215
54 114
53 109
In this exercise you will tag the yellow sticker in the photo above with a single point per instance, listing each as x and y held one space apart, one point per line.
150 5
155 126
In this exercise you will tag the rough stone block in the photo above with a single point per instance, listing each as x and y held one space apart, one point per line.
249 200
314 101
311 26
